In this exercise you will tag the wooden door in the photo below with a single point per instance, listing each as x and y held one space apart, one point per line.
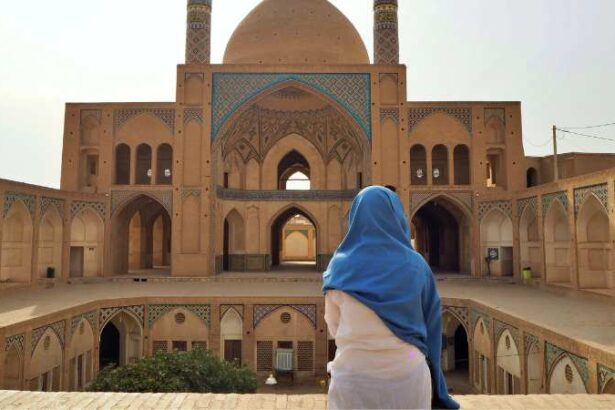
232 351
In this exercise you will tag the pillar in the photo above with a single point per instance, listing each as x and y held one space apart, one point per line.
198 33
386 34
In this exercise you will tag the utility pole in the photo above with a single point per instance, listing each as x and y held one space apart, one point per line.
555 162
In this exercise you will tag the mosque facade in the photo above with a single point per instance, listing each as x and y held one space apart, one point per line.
252 169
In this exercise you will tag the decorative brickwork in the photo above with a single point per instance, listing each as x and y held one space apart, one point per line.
257 130
237 308
160 346
460 313
530 343
155 312
485 207
554 354
601 192
89 316
187 193
17 341
524 203
475 316
58 329
463 115
121 198
262 311
547 199
123 115
106 314
198 32
389 114
99 207
56 203
386 32
605 375
193 114
11 197
232 90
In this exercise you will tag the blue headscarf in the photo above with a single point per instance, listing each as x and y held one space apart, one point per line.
376 264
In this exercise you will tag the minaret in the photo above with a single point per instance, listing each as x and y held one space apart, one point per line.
386 34
198 34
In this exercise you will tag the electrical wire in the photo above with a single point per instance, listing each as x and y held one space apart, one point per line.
537 145
587 135
590 126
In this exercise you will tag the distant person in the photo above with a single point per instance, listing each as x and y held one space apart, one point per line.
383 309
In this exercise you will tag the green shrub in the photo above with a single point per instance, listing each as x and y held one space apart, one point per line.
197 371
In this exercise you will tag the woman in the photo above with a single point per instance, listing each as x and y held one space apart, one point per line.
383 309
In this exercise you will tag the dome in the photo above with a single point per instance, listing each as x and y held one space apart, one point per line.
296 32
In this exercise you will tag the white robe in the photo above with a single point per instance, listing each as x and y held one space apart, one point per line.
373 368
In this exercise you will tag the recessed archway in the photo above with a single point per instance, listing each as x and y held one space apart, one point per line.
13 369
531 247
496 235
234 242
50 241
120 341
594 245
294 240
508 365
87 243
441 233
142 237
455 354
557 245
17 236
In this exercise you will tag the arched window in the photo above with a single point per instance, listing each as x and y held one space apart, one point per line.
165 165
532 177
294 172
144 165
418 165
439 161
462 165
122 164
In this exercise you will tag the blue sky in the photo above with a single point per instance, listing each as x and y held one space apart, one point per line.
556 56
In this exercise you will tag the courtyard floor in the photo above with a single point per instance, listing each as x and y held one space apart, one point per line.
585 318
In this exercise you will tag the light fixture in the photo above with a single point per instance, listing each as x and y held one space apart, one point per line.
271 381
167 173
436 173
419 173
149 173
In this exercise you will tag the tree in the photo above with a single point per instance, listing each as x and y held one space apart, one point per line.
196 371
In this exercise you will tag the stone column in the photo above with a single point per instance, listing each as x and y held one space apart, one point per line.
386 35
198 33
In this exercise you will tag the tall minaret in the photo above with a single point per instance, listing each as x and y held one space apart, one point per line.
198 35
386 34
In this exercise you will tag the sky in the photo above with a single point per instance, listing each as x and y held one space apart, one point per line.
555 56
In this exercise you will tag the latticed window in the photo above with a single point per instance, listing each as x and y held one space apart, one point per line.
160 346
199 345
305 356
264 356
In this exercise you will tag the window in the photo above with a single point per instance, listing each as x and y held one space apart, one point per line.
180 346
418 165
122 165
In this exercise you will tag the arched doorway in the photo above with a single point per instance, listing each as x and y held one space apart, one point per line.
418 165
294 172
293 240
231 335
529 239
122 165
496 235
557 245
441 233
508 365
87 243
142 237
121 340
455 354
50 241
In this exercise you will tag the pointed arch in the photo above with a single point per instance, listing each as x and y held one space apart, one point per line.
231 335
86 244
234 241
122 164
557 244
529 240
455 352
277 224
593 244
508 365
496 232
564 377
17 242
50 242
46 362
482 354
179 329
120 340
80 355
